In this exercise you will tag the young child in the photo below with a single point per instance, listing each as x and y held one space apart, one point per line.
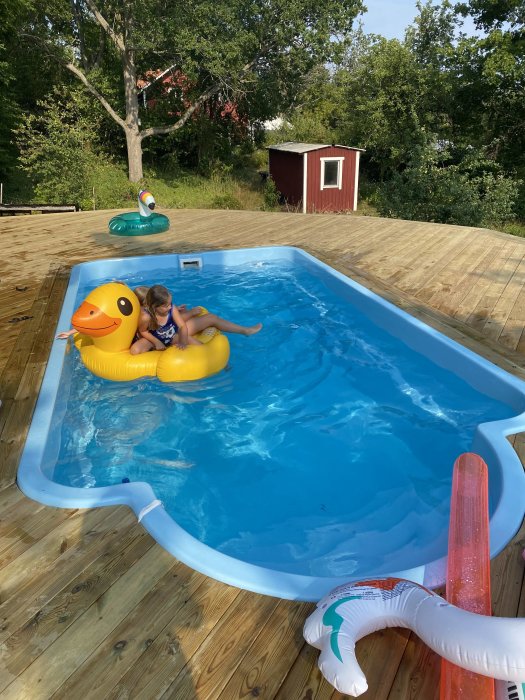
162 324
140 293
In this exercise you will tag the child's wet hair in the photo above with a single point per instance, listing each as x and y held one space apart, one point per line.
156 296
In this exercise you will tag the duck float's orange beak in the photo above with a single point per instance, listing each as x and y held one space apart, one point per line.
92 321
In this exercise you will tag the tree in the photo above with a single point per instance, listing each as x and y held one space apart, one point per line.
490 80
312 116
9 114
385 108
254 49
16 79
492 15
399 94
431 37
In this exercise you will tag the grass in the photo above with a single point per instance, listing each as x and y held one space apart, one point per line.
516 228
192 191
177 189
107 187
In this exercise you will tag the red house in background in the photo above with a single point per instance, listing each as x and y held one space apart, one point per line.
316 177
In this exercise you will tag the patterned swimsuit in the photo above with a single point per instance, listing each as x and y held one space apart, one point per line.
166 332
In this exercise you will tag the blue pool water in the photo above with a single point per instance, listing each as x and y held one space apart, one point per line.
322 453
325 449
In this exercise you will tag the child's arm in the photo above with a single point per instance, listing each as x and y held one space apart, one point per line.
183 328
63 335
144 332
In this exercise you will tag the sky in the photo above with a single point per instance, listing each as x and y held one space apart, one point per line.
390 18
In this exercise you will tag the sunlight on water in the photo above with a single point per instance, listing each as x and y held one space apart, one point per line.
326 447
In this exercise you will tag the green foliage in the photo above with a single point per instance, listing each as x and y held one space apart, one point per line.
394 98
473 193
304 126
249 54
492 14
10 108
189 190
225 201
312 118
108 187
60 151
270 195
432 36
9 116
388 105
487 75
489 108
515 229
30 65
520 205
57 151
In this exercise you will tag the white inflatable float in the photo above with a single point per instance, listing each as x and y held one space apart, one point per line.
491 646
509 690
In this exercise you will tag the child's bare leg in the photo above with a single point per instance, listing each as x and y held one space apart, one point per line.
191 341
190 313
139 346
199 323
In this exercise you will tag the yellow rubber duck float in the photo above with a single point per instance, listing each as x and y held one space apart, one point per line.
106 323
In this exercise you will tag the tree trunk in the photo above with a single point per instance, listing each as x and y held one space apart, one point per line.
134 144
133 136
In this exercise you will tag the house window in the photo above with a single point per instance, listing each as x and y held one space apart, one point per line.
331 173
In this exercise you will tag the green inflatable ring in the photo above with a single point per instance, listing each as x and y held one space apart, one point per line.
133 224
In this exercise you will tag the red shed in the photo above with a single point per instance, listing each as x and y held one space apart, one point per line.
317 177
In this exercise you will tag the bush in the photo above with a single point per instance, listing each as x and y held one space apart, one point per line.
515 229
59 152
225 201
472 193
111 186
270 195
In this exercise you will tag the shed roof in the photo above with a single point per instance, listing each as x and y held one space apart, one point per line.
297 147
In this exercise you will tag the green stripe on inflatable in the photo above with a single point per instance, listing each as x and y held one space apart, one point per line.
332 619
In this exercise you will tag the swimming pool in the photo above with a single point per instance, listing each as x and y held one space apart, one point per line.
323 454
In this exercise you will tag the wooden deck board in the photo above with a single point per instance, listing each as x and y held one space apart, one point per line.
168 656
89 604
122 648
216 660
40 662
21 602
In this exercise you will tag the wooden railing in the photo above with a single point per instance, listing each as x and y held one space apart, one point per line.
12 209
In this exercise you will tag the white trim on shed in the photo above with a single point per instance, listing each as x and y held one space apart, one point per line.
339 179
295 147
305 179
356 183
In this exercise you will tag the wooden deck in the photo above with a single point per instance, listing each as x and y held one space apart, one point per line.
90 605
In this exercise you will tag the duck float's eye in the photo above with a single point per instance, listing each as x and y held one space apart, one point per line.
125 306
